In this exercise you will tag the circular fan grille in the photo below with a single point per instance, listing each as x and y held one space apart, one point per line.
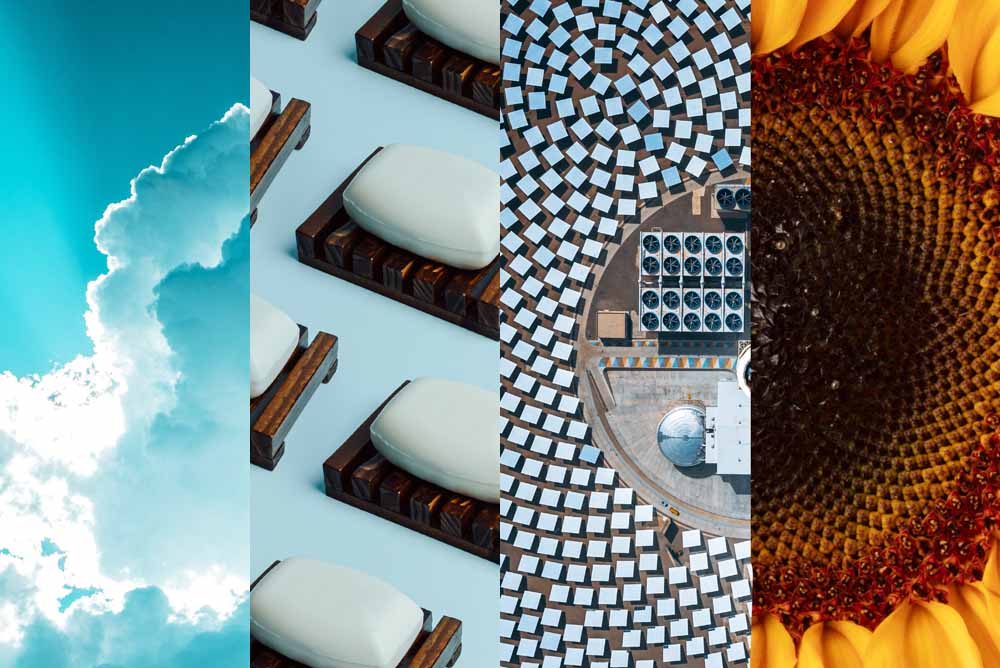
692 265
651 244
725 198
692 322
692 299
735 245
671 299
713 300
713 244
734 323
650 300
650 265
743 199
671 243
713 322
713 266
692 244
672 266
734 300
671 322
650 321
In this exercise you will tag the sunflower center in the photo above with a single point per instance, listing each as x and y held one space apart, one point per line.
875 327
842 316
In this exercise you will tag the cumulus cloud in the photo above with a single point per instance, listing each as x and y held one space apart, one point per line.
123 474
197 484
141 635
178 214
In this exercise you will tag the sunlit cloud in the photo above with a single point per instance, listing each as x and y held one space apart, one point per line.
75 442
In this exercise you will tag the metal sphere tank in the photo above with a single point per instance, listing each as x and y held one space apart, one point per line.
681 436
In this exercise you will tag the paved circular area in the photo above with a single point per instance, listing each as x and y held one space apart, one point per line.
709 501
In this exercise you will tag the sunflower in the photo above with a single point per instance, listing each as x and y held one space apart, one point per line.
876 321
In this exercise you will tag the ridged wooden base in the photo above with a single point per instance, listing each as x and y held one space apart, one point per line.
330 241
273 413
437 647
282 132
389 44
292 17
357 474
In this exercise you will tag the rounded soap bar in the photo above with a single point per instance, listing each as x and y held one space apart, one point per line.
260 106
444 432
470 26
434 204
327 616
273 338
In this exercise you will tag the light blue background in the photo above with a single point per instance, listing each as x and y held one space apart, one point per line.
382 342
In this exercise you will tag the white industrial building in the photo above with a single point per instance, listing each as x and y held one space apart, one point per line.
727 431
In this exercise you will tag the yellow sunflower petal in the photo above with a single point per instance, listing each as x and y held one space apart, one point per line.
975 21
986 77
834 645
821 17
859 17
979 608
988 107
775 23
991 579
923 635
910 30
883 28
773 646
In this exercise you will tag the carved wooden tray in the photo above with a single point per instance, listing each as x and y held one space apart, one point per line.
389 44
273 413
357 474
437 647
329 240
292 17
282 132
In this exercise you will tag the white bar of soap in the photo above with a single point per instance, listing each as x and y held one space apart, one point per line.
260 106
273 338
327 616
470 26
444 432
437 205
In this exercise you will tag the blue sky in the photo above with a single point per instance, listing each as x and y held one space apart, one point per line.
95 92
124 482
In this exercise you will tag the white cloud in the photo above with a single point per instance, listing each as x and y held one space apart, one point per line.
64 435
47 415
213 593
11 626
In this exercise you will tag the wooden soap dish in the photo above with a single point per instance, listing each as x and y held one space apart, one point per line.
273 413
292 17
280 133
357 474
437 647
389 44
329 240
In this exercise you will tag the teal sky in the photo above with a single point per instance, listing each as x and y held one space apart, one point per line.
93 92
